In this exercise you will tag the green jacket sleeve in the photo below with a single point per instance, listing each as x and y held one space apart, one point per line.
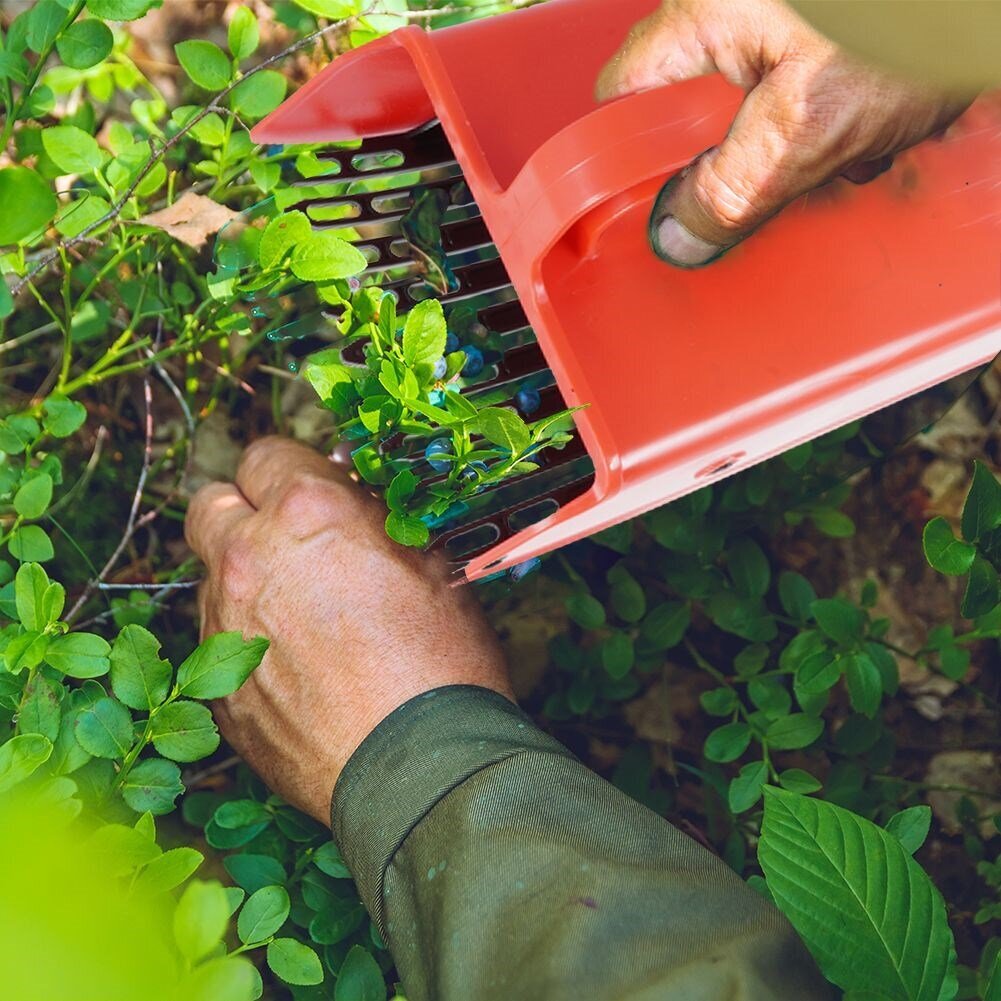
499 868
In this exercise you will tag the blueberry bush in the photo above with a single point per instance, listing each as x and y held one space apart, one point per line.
717 659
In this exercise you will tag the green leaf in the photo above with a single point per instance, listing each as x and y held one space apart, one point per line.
331 926
152 785
84 44
168 870
71 149
406 530
797 780
31 543
20 756
910 827
77 216
586 610
35 201
239 813
325 257
17 433
719 701
121 10
43 23
104 729
79 655
424 334
944 551
253 872
982 510
749 569
627 596
205 63
505 428
33 497
665 625
982 589
263 914
62 416
992 988
400 490
789 733
6 301
38 601
954 661
865 683
294 962
359 978
222 978
727 743
282 234
865 909
328 860
745 789
835 524
839 619
334 10
617 656
200 919
243 35
259 94
184 731
41 708
139 678
220 665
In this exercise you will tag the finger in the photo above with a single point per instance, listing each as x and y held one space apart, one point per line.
270 465
761 166
660 49
213 514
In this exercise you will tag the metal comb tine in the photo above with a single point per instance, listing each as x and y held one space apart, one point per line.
573 480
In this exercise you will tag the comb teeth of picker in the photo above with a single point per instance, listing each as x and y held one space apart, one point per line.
364 194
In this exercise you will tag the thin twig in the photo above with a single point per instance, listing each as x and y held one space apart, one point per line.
175 585
134 522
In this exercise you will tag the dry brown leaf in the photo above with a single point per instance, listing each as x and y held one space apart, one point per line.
965 770
192 219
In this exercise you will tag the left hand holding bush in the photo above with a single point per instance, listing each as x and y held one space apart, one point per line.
358 625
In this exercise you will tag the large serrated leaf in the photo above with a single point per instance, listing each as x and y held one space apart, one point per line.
867 911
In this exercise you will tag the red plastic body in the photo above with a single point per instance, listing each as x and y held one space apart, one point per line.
849 300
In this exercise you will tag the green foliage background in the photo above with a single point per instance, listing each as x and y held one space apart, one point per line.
123 336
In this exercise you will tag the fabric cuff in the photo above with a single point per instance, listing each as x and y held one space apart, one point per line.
413 759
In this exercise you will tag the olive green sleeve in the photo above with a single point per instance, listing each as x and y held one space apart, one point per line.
499 868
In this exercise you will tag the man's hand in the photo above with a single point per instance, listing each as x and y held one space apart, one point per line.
811 112
358 625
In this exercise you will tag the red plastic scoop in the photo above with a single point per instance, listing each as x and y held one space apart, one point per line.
851 299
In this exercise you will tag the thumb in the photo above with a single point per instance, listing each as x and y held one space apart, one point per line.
727 192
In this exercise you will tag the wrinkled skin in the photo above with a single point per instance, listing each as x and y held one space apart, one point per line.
296 552
811 113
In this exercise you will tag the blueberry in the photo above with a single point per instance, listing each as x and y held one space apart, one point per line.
528 400
521 570
436 397
451 343
440 368
436 447
273 149
474 361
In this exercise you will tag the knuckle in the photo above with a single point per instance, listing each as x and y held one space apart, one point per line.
730 201
306 498
236 567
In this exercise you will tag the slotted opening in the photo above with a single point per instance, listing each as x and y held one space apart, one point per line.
377 161
473 540
528 516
